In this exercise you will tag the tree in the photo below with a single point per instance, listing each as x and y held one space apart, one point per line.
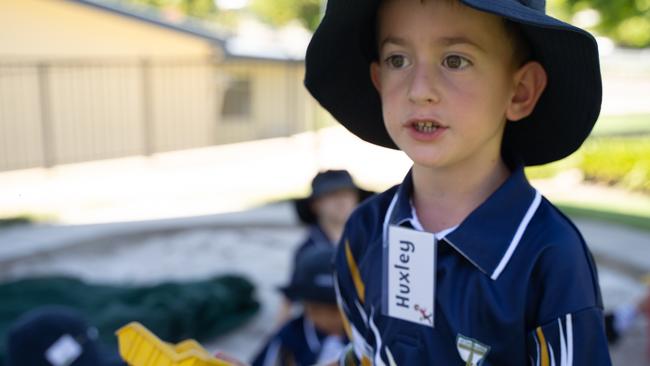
280 12
204 9
627 22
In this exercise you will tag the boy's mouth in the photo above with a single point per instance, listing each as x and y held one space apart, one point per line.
426 126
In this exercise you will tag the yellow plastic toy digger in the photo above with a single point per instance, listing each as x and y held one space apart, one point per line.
139 347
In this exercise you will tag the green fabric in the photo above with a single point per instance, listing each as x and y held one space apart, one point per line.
173 311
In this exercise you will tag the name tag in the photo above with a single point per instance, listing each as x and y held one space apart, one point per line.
410 275
64 351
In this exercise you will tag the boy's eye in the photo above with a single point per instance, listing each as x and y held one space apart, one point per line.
396 61
456 62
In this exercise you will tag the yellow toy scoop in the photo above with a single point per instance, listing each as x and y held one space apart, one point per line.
139 347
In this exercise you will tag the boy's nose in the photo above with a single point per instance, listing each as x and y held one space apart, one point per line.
422 88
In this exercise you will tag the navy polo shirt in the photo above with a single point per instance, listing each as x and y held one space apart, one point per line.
299 343
315 236
515 285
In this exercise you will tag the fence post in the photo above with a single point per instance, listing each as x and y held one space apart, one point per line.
147 105
47 134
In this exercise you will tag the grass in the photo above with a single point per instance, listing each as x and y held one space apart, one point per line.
17 220
607 214
26 219
615 153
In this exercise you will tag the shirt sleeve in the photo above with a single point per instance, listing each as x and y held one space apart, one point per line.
350 293
573 339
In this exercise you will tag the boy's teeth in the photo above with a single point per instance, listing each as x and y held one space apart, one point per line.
425 126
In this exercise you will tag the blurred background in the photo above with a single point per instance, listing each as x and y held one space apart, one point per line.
153 141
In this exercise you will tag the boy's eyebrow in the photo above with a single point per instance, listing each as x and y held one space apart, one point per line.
447 41
395 40
450 41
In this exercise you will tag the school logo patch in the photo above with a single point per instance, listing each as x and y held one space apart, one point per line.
471 351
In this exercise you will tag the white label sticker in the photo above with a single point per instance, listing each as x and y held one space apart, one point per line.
411 275
64 351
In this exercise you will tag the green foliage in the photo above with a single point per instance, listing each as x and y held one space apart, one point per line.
552 169
16 220
280 12
275 12
620 161
625 21
559 9
197 8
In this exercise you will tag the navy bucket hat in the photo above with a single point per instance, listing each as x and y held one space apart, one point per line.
340 52
56 336
325 183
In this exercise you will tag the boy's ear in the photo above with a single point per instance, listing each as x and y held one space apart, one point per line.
530 82
374 75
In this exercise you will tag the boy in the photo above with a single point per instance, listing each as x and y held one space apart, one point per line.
56 336
334 196
316 336
464 263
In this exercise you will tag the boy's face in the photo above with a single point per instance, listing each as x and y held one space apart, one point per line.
326 317
446 75
336 207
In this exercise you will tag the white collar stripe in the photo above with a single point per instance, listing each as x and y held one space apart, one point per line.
272 354
311 336
551 354
569 336
563 350
518 234
389 213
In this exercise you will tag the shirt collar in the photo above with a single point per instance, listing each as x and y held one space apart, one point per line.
317 234
489 247
313 341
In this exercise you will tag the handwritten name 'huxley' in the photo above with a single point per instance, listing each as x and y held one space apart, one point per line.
402 298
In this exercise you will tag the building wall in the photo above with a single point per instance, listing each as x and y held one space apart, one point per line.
281 105
96 86
62 29
20 118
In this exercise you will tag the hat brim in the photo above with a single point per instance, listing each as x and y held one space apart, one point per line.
304 210
297 293
337 75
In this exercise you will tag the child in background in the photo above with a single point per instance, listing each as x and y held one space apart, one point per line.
57 336
334 196
464 262
316 336
619 321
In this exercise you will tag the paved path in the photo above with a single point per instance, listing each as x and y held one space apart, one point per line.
195 182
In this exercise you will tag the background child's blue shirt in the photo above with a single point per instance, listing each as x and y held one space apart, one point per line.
514 276
315 236
297 343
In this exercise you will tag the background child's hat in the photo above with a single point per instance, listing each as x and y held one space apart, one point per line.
338 76
324 183
56 335
312 279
